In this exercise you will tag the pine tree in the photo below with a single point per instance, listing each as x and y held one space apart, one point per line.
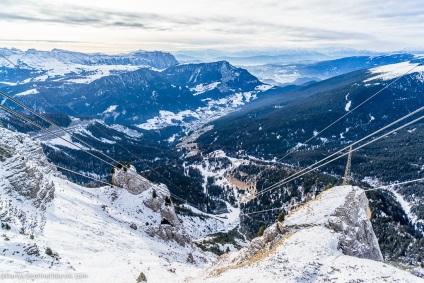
281 216
49 251
141 278
261 231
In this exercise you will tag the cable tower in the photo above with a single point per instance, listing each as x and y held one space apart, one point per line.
346 178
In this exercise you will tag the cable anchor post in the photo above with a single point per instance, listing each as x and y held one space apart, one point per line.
346 178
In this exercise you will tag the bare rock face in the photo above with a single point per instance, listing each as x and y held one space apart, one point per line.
328 239
128 178
271 236
357 236
170 228
24 181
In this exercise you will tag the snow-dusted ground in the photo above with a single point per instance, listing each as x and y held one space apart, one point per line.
203 115
101 234
98 241
79 126
201 88
27 92
204 224
309 251
393 71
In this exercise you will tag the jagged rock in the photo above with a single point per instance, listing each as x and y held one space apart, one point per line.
169 233
24 179
136 184
329 239
190 258
33 250
128 178
81 223
271 235
351 221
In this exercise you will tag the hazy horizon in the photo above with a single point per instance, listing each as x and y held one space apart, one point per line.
111 27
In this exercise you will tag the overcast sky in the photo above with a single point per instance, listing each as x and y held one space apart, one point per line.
117 26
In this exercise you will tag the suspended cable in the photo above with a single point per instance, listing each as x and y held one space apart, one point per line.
57 126
355 143
347 113
132 154
81 148
366 190
285 181
47 130
85 176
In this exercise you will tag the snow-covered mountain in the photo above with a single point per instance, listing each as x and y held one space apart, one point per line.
53 227
141 88
75 67
301 72
270 129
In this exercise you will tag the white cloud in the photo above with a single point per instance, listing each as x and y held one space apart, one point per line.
111 26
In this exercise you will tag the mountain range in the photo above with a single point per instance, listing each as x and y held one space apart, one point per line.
215 136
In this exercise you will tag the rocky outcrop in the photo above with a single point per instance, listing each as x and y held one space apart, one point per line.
128 178
329 239
170 228
158 200
351 221
24 181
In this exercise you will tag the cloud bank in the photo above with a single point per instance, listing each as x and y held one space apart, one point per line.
188 24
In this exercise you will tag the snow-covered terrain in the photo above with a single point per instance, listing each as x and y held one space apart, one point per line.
79 126
393 71
92 235
52 227
329 239
107 234
81 68
215 109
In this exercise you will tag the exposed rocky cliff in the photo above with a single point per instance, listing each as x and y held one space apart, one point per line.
51 224
329 239
157 198
25 182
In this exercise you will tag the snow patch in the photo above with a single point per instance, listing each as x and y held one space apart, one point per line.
110 109
393 71
348 104
202 88
28 92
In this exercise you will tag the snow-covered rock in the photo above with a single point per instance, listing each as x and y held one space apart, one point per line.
329 239
419 271
158 200
25 182
89 230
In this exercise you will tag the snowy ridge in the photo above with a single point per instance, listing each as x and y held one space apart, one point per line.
393 71
25 186
83 68
292 252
